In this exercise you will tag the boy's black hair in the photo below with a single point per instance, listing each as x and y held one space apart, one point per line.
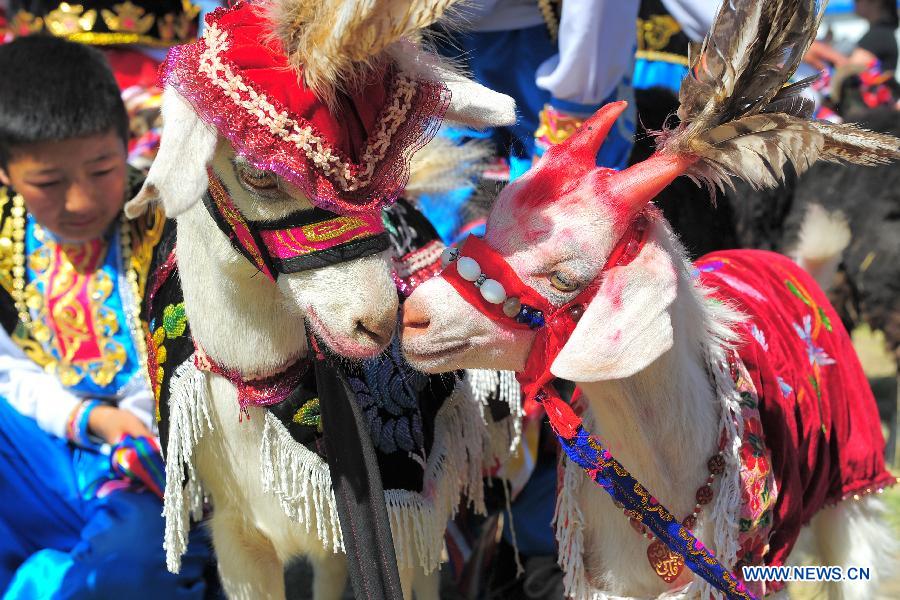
52 89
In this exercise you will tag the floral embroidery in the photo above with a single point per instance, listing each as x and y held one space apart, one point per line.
174 320
786 390
310 414
709 267
816 355
173 326
759 336
156 356
758 489
388 396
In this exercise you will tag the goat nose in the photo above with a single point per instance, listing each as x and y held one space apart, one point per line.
414 317
378 329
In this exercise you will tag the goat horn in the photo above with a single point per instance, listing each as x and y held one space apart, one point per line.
582 146
637 185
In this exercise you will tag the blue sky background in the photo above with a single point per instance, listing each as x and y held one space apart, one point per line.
840 6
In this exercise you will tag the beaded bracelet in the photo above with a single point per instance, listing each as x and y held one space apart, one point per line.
77 428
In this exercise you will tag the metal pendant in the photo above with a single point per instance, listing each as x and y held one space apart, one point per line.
667 564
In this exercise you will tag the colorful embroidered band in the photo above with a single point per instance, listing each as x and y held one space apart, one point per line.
77 430
318 238
308 239
589 453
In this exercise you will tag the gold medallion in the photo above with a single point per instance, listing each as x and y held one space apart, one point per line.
665 563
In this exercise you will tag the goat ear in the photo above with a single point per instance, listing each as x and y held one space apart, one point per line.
178 175
471 103
627 325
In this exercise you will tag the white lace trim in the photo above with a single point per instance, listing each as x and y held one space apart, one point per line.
282 125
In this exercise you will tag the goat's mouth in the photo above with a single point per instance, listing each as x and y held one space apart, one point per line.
431 357
344 345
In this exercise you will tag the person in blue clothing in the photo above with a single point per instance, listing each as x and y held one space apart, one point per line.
80 469
560 62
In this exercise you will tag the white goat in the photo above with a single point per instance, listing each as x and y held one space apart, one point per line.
272 497
651 349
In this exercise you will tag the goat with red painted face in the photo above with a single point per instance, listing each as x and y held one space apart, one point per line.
727 388
288 128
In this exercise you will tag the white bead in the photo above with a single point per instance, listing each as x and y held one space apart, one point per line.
468 268
448 256
493 291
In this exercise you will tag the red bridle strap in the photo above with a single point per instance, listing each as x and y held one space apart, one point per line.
558 321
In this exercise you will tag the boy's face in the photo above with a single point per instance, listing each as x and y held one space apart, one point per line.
74 187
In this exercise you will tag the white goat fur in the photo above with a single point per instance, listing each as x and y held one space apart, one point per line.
642 365
246 323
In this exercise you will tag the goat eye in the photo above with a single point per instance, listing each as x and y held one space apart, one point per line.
259 180
562 282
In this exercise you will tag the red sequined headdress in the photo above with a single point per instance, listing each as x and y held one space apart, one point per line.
352 157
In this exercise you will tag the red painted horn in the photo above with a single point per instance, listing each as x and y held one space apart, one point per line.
579 152
637 185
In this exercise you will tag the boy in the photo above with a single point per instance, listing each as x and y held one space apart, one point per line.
79 464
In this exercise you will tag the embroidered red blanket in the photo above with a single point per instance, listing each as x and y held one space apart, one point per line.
820 425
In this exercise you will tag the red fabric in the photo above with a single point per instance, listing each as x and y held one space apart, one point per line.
253 54
495 267
132 67
819 417
560 321
259 58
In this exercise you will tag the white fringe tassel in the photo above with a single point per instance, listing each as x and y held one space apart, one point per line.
725 512
302 483
454 467
188 422
484 383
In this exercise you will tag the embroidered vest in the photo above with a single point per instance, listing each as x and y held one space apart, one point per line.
82 301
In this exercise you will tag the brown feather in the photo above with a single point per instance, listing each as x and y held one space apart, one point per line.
853 144
333 43
741 118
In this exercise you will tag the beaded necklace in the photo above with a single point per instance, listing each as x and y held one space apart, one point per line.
130 292
666 564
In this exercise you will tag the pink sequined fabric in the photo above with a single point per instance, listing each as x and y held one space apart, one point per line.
221 92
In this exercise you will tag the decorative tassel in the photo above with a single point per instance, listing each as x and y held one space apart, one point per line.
485 384
454 467
301 481
188 422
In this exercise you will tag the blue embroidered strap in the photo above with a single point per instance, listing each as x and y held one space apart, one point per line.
590 454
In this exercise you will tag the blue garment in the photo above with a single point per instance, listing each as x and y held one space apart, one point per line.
58 541
657 73
532 513
507 62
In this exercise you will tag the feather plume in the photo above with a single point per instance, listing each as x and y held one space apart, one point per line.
740 117
333 42
442 166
